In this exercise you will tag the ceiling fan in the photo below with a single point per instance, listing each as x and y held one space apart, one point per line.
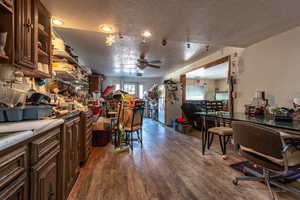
143 63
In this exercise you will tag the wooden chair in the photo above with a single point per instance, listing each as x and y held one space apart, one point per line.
133 123
223 130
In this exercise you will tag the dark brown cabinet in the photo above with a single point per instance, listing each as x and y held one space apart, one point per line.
96 81
45 157
25 39
13 175
17 190
85 136
71 155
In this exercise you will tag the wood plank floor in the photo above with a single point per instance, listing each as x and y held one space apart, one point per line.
168 166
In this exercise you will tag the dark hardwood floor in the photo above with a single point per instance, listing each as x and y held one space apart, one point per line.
168 166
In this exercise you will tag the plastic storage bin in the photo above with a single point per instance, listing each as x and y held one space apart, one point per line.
2 115
14 114
36 112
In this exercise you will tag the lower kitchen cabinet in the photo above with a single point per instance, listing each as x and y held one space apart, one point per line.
49 162
13 174
45 179
70 155
45 166
17 190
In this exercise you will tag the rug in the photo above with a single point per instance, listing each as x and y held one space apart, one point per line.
291 176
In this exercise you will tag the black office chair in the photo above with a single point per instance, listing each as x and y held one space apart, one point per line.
267 148
188 109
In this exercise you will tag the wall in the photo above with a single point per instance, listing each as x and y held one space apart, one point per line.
271 65
175 75
222 84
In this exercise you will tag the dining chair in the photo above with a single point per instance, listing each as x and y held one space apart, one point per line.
268 149
133 123
223 130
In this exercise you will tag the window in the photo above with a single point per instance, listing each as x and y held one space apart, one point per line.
130 88
222 96
194 92
117 86
141 91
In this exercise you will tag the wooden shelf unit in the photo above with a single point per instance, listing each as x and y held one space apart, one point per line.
44 37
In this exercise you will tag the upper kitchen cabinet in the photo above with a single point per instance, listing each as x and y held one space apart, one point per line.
44 46
25 39
6 31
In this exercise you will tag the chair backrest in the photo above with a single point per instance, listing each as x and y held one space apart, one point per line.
262 139
188 109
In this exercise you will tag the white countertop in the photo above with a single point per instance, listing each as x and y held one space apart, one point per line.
36 126
14 132
14 138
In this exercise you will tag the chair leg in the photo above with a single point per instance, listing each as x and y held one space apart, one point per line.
131 140
204 140
210 139
222 144
268 184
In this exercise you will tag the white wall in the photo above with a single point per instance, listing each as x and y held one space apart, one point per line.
272 65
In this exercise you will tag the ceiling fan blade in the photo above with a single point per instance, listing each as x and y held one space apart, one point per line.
155 62
154 66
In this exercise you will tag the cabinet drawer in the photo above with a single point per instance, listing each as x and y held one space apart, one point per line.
13 165
42 146
18 189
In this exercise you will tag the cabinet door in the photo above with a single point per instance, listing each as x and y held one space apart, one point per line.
44 178
17 190
68 155
25 33
76 147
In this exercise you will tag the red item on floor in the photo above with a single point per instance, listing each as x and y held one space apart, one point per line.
101 138
180 120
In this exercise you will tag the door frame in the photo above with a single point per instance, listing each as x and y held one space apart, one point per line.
230 79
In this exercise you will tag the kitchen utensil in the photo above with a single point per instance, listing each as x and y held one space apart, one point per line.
3 37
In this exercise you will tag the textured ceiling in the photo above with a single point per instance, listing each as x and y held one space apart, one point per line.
215 72
215 22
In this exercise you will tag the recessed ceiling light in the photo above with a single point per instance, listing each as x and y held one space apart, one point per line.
147 34
57 22
105 28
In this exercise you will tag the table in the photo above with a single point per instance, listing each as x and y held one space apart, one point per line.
290 127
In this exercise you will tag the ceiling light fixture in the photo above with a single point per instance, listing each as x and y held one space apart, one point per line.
147 34
57 22
105 28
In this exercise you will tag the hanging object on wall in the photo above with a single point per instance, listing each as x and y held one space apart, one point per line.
188 44
110 40
164 42
207 47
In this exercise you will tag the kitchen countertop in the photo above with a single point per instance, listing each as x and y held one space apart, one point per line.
36 126
13 133
8 140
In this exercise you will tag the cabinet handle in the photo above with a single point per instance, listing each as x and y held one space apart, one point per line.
29 25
